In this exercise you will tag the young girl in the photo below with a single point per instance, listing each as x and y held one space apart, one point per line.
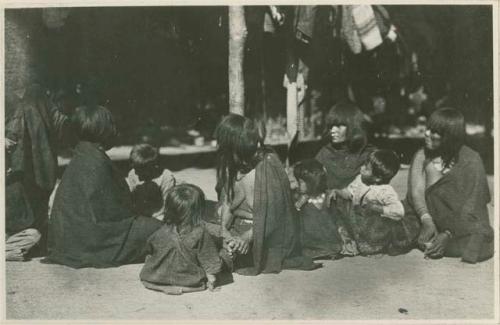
182 255
318 228
375 215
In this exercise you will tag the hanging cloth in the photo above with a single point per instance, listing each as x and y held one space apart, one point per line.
304 23
366 24
349 31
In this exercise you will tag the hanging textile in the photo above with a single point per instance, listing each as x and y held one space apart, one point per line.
366 24
304 23
349 31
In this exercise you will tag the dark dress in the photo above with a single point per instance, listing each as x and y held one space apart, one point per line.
180 259
319 234
458 202
342 165
92 223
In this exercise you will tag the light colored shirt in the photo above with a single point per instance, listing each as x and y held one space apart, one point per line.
165 181
383 195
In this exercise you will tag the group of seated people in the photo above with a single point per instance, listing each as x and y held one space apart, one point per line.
342 203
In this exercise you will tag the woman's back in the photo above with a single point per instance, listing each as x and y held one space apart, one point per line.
91 216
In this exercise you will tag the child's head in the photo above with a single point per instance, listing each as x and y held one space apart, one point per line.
95 124
380 167
311 176
144 160
147 199
184 205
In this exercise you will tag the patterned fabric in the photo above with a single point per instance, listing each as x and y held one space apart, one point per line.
349 31
366 24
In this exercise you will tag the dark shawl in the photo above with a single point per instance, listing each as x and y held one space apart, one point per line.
180 259
342 165
276 242
458 201
92 223
318 231
34 122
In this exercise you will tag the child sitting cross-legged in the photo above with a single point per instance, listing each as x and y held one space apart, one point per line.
374 217
182 256
146 179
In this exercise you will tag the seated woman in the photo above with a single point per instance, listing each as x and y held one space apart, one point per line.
347 148
259 222
448 191
92 223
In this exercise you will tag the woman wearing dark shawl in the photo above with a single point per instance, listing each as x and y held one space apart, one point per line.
347 147
448 191
92 223
343 157
259 222
32 127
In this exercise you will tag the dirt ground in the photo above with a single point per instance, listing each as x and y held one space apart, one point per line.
402 287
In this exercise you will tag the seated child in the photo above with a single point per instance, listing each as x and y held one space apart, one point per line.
146 168
318 228
371 195
182 256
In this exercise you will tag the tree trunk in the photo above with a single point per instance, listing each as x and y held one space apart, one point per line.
237 37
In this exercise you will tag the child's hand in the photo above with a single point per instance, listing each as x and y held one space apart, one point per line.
230 245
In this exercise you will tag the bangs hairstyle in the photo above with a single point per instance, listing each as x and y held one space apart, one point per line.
238 139
184 205
385 164
449 123
313 173
143 155
95 124
348 114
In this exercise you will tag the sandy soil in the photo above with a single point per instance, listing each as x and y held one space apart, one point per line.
402 287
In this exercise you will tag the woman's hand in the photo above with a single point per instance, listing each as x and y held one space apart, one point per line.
438 245
428 231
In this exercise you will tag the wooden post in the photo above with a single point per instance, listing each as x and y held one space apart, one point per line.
237 37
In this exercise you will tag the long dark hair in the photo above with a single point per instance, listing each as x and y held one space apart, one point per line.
348 114
238 139
449 123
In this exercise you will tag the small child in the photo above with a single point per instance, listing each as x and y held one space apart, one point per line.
371 194
318 227
146 169
371 188
182 254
